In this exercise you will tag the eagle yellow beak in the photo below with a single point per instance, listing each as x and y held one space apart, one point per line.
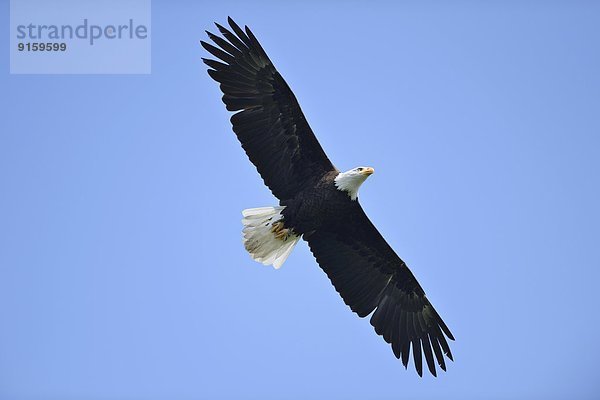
368 171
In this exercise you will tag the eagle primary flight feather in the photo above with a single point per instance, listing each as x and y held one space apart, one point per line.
318 203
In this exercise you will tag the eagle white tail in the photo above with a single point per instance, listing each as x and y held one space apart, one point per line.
264 236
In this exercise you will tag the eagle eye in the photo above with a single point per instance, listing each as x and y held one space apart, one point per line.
359 169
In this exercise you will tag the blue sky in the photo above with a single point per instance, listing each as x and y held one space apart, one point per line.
122 274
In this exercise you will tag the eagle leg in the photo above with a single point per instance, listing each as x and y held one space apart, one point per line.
280 231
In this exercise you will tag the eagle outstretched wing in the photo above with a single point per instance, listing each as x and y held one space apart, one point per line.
270 124
370 276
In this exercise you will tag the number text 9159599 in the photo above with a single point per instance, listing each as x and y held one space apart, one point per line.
33 46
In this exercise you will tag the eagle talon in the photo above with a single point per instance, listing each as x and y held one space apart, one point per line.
279 231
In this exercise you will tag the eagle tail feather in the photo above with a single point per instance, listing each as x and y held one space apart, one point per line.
265 237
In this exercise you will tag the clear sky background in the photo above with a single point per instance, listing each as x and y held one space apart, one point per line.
122 273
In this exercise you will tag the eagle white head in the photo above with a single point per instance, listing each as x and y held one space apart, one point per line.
351 180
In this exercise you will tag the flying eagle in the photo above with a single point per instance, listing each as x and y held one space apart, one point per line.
318 203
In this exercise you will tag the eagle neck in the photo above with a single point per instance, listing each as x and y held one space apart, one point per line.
349 183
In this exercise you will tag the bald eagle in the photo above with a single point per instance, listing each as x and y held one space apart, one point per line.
318 203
